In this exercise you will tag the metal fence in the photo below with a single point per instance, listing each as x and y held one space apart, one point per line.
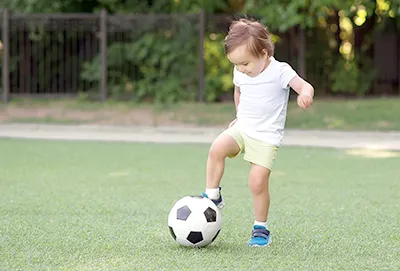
53 54
44 53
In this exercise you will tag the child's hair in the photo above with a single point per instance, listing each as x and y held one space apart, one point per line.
252 33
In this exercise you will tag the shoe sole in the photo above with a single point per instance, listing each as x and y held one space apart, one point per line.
221 205
256 245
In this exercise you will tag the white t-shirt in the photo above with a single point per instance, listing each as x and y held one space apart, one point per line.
263 101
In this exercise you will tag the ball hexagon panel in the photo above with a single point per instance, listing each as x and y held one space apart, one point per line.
183 213
195 237
210 214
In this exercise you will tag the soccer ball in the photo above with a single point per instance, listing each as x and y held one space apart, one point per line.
194 221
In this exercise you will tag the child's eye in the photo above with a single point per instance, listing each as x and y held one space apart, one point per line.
245 64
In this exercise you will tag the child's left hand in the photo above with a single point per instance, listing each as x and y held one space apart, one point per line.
304 101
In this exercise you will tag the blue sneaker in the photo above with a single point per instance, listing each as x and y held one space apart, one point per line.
260 237
218 202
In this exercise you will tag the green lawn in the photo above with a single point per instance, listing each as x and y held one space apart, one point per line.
104 206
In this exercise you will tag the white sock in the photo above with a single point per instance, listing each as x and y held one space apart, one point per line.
212 193
263 224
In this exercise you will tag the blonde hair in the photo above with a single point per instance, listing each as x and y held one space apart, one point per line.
252 33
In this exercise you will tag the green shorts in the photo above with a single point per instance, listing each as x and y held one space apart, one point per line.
255 151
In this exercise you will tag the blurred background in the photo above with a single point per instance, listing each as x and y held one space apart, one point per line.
171 52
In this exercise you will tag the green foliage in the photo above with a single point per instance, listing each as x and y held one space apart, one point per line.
352 77
320 59
218 68
48 6
115 6
195 6
163 66
282 15
161 6
165 69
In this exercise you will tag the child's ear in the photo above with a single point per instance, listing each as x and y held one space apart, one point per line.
266 56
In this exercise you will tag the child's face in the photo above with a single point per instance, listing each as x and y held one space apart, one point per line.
246 63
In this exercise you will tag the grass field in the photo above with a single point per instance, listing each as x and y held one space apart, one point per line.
104 206
339 114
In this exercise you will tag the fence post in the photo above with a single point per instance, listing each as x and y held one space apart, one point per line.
202 31
103 55
6 55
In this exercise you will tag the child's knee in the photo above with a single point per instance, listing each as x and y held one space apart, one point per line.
217 151
223 147
258 179
258 185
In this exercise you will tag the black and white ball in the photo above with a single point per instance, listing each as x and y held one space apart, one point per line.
194 221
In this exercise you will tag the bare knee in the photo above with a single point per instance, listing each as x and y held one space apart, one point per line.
217 152
258 186
259 180
223 147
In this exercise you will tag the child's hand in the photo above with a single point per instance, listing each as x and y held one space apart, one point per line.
232 122
304 101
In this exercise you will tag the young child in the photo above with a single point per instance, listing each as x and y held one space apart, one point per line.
261 95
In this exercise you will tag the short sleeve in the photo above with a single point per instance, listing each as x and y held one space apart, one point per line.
236 76
286 74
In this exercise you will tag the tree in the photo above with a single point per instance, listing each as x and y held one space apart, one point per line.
296 16
49 6
116 6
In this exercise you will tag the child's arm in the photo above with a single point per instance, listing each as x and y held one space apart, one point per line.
236 97
305 91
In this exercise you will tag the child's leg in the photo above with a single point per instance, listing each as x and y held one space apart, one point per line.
227 144
259 187
258 183
222 147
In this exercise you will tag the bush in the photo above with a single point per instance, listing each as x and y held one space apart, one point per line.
160 66
219 71
353 76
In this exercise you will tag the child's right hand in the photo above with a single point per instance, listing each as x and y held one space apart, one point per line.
232 122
